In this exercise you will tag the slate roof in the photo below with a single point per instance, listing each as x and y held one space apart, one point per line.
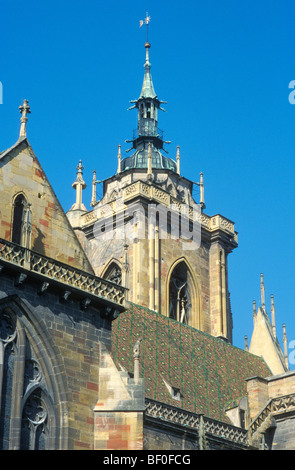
208 372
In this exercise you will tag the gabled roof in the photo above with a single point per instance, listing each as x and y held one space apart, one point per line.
18 142
207 371
52 234
265 344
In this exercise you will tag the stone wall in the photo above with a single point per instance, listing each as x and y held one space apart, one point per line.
118 414
52 234
284 434
65 341
272 411
157 244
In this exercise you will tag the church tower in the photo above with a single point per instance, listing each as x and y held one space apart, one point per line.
149 234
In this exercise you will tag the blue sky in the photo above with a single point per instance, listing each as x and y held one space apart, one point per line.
224 70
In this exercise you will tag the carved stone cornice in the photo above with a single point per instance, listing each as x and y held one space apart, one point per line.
49 272
214 227
177 416
275 407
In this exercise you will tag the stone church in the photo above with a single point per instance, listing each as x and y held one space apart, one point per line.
116 322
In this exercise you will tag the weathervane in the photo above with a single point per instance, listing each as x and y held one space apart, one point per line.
146 21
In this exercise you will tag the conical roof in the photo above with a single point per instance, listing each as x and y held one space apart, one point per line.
148 90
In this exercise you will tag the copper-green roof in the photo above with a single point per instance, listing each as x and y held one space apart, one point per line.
208 371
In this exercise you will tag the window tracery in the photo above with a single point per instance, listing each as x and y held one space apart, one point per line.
7 366
25 406
34 434
114 274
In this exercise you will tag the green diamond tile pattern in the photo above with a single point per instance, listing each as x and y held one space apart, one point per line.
208 371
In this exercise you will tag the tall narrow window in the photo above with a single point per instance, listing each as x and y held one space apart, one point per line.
18 219
34 435
181 294
27 416
141 111
8 353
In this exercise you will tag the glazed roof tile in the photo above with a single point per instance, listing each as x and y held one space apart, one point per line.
207 371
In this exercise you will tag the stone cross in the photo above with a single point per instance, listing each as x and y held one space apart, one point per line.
24 110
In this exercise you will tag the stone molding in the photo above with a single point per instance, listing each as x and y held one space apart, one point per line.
54 272
195 421
152 192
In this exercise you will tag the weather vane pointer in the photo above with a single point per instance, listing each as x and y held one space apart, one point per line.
145 21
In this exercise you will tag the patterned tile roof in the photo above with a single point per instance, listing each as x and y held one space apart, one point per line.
208 372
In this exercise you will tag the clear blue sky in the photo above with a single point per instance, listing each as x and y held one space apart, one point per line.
224 68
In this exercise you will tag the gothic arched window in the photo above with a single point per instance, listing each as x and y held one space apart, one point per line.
114 273
8 355
21 222
182 294
27 414
18 218
34 428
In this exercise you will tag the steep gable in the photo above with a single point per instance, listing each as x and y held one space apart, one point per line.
265 344
52 234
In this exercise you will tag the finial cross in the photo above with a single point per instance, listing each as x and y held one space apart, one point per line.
80 167
24 110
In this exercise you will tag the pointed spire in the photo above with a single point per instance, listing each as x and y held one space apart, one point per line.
202 198
94 183
119 159
201 185
24 110
285 347
148 106
273 321
93 199
178 160
147 90
79 185
262 291
136 356
254 309
147 87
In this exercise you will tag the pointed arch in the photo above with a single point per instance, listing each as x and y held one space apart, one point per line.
182 294
19 205
38 419
113 271
29 377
